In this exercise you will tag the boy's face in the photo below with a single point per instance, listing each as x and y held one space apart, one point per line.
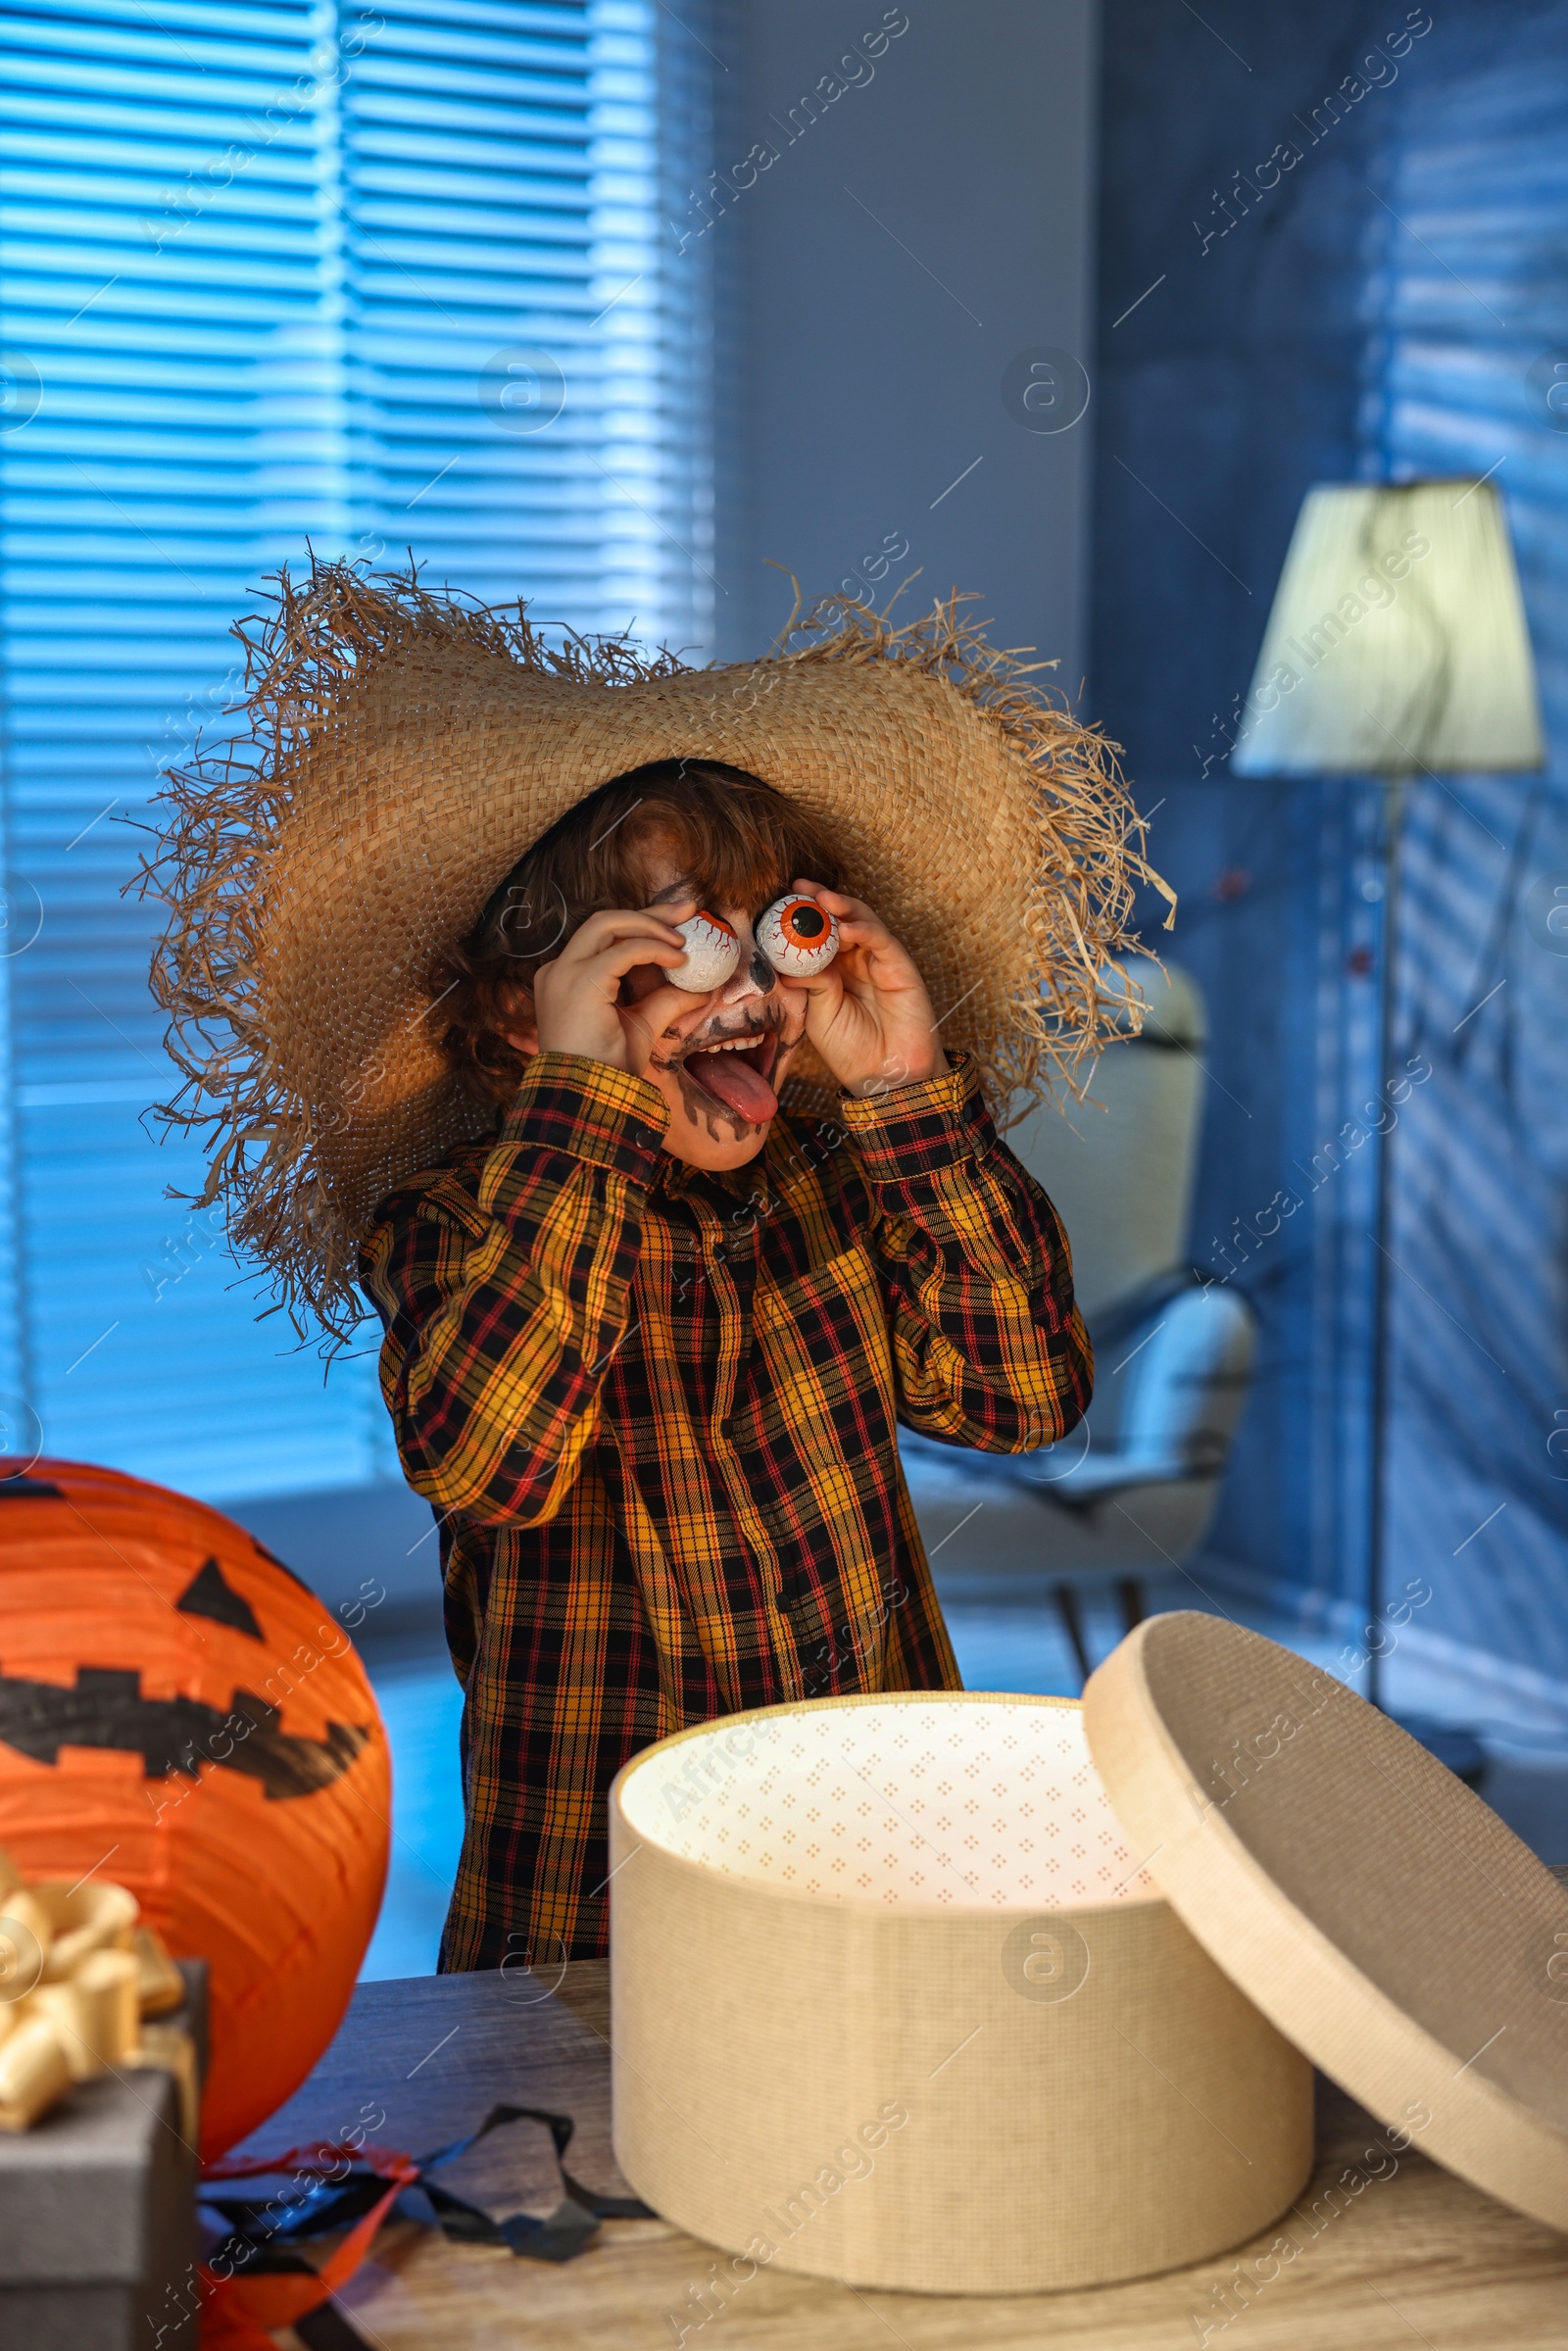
719 1066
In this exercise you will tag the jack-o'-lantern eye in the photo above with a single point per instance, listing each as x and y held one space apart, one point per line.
797 936
712 952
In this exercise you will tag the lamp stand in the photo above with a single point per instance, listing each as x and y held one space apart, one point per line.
1393 790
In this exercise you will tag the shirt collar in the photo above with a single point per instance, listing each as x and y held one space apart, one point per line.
719 1189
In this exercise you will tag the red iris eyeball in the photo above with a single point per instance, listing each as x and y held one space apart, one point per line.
797 936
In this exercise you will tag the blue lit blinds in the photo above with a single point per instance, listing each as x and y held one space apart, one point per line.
373 276
1471 378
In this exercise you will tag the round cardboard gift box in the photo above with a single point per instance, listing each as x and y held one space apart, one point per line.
972 1993
893 1995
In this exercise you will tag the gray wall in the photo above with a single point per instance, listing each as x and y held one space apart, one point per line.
864 359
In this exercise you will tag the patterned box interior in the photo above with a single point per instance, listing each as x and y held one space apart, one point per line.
980 1803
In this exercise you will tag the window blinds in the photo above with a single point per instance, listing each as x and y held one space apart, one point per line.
378 277
1464 381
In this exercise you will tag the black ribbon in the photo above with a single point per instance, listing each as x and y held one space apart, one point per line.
259 2235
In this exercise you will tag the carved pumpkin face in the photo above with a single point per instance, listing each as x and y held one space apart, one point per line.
181 1714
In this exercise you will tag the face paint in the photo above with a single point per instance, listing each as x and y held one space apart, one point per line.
797 936
712 952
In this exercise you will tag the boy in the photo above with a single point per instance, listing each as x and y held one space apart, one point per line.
647 1340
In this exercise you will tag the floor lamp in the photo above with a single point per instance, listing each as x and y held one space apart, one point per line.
1395 649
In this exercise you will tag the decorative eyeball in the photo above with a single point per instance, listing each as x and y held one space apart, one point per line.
712 952
798 936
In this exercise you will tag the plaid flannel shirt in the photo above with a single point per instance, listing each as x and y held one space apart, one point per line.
655 1410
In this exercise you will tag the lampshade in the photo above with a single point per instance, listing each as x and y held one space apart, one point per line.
1396 641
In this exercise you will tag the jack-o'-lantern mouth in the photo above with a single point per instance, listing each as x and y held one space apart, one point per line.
173 1736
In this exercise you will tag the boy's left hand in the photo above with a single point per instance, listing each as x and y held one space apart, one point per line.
868 1014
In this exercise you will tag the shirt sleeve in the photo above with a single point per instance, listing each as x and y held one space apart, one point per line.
504 1307
989 1348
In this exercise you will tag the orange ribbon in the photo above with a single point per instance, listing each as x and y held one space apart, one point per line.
237 2313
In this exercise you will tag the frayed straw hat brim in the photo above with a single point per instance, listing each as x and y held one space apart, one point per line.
399 749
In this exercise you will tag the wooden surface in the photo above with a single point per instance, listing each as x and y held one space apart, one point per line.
1410 2256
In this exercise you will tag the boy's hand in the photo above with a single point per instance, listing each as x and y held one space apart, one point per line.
868 1014
576 996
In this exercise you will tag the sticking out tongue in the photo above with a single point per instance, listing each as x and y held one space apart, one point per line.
731 1080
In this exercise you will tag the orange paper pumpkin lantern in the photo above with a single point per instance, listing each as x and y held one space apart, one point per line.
180 1713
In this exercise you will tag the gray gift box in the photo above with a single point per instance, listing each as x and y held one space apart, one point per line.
98 2212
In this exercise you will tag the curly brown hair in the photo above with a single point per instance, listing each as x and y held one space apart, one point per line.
740 843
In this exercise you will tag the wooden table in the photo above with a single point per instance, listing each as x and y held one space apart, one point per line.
1415 2258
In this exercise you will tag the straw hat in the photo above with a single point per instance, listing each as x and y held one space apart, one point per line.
403 749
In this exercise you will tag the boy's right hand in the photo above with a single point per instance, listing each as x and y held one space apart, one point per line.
577 995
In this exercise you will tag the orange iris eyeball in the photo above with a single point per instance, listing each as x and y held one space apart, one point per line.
797 936
712 952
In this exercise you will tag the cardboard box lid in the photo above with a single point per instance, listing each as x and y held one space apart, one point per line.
1369 1903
